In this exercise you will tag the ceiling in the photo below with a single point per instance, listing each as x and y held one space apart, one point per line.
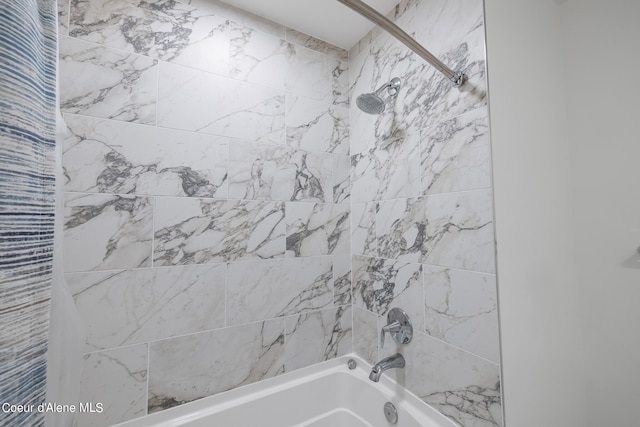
326 20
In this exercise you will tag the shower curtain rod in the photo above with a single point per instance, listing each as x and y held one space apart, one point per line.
457 77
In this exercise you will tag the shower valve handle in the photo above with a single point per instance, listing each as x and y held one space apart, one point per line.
398 326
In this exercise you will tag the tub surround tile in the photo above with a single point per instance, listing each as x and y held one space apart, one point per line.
381 284
389 171
116 378
342 294
207 103
198 231
103 82
365 334
456 155
316 337
341 179
259 58
314 125
317 45
461 386
63 17
266 172
107 156
235 356
450 230
461 308
125 307
104 232
317 229
258 290
162 29
363 229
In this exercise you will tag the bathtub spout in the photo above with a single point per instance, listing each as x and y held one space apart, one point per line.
395 361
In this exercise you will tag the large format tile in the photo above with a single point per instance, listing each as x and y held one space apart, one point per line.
103 232
103 82
381 284
116 378
463 387
168 30
258 290
178 372
456 154
317 336
450 230
203 102
461 308
363 229
341 179
342 294
266 172
197 231
317 229
132 306
107 156
365 334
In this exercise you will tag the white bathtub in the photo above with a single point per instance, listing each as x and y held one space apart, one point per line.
323 395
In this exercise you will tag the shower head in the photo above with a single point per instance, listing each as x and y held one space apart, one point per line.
372 103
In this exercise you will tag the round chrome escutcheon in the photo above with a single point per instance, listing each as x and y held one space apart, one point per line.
391 413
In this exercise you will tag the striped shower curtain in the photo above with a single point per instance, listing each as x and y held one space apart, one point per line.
27 144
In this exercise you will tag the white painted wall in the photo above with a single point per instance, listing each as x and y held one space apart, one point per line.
564 112
540 327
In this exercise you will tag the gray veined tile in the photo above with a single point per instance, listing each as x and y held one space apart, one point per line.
318 45
317 336
317 229
258 290
235 356
363 229
266 172
456 154
461 308
103 232
106 156
341 179
63 17
103 82
342 294
198 231
116 378
124 307
167 30
451 230
259 57
202 102
315 125
382 284
365 334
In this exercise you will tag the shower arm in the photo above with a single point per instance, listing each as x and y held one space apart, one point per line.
457 77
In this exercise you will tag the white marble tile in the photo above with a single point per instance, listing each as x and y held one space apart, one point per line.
197 231
315 125
382 284
456 154
258 290
449 230
461 386
318 45
63 17
342 294
178 372
267 172
103 232
316 76
461 308
203 102
103 82
363 229
317 229
259 57
365 334
107 156
389 171
166 30
341 179
317 336
125 307
116 378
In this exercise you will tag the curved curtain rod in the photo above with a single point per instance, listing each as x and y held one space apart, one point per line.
457 77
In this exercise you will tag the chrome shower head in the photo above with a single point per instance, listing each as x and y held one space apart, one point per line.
372 103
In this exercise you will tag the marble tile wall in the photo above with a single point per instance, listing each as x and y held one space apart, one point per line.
207 209
422 211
